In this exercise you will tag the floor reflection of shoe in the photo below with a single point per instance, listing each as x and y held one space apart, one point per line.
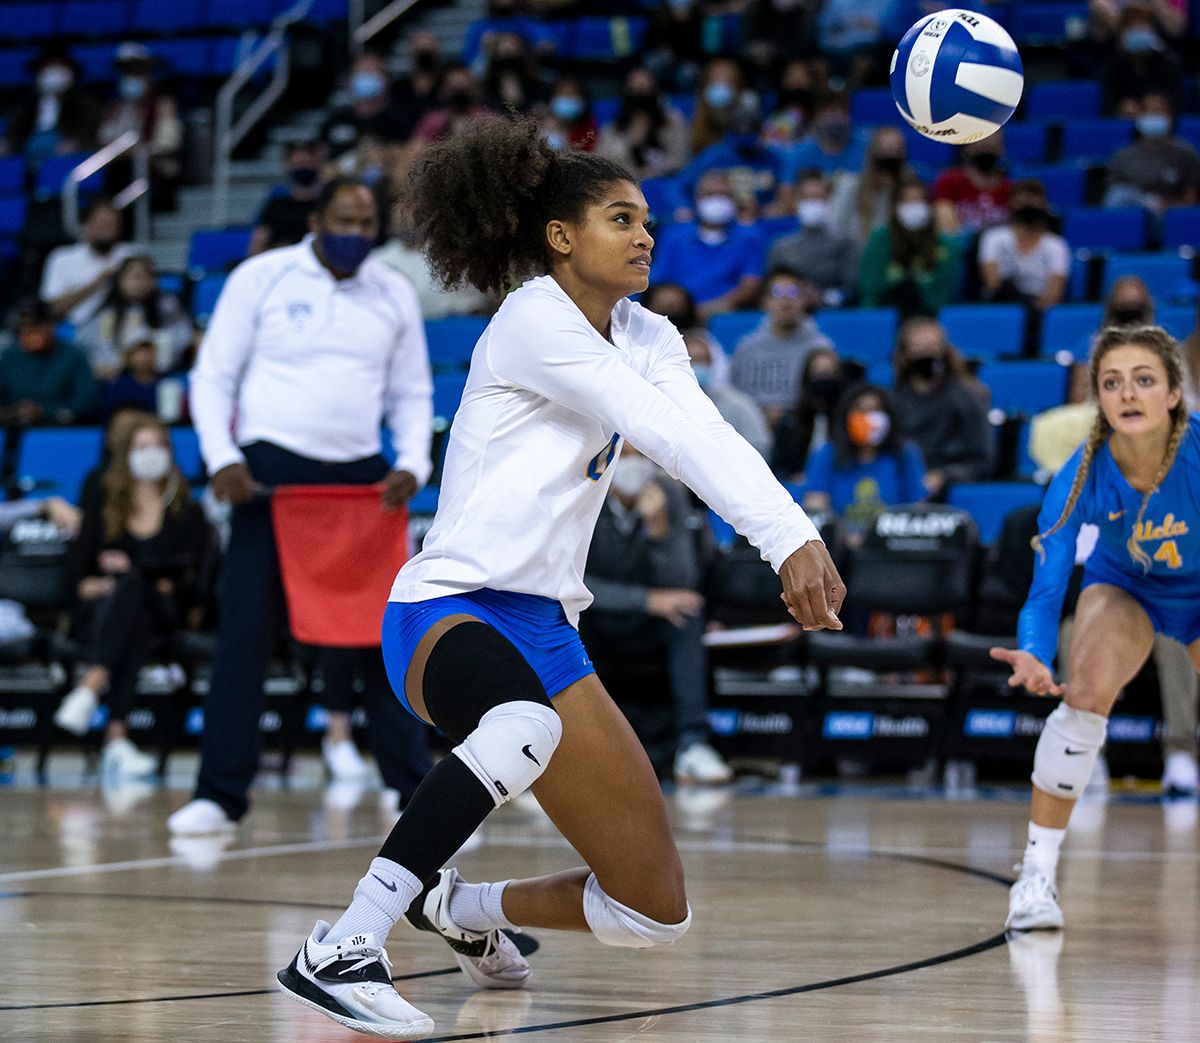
343 795
701 763
1033 957
1180 775
495 1012
698 804
122 760
344 761
202 854
199 817
121 796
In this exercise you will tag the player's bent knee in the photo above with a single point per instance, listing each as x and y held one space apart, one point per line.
1067 750
511 747
615 924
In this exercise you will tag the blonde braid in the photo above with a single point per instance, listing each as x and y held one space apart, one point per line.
1177 432
1096 437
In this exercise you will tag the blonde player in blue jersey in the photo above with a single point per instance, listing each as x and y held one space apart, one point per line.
1137 477
480 637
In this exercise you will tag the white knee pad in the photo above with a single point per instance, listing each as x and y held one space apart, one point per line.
1067 750
511 747
617 924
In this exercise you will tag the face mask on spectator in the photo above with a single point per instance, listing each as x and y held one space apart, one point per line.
813 213
826 389
716 210
631 475
834 131
1136 315
913 215
150 463
1153 124
304 177
132 88
1140 40
567 107
927 367
868 427
345 253
681 320
366 85
888 164
55 79
459 101
425 61
1034 216
719 95
985 162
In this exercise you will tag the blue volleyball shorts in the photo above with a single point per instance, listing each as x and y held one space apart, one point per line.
1175 613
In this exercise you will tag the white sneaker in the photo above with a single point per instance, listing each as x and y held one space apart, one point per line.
344 761
701 763
199 817
1180 775
1033 905
490 959
122 760
351 982
75 712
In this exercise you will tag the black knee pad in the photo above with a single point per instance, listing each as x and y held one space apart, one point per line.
472 669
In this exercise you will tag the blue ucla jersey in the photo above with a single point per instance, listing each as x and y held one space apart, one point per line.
1169 534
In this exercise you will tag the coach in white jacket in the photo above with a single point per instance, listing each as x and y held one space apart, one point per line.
310 347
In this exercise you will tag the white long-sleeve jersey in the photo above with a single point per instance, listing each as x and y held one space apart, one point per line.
535 441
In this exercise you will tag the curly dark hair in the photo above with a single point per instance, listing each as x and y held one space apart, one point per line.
481 200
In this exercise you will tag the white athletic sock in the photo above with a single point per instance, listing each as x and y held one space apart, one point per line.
1041 850
379 901
476 907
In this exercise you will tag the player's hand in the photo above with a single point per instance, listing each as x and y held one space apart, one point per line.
675 606
397 489
812 589
235 484
1028 671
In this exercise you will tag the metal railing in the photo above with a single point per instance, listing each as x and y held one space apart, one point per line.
361 31
228 133
136 193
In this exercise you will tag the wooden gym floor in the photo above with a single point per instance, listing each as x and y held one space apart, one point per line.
869 913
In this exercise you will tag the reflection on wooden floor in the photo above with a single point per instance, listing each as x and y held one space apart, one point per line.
865 916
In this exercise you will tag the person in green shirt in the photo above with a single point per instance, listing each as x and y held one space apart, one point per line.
42 380
907 263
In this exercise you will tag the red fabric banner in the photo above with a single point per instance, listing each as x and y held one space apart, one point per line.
339 552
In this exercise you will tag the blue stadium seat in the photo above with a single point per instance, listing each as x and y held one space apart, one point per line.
14 67
1042 23
12 174
1026 386
1105 228
923 151
190 57
186 446
865 334
53 172
54 461
871 105
238 14
663 196
1026 466
217 249
731 327
1070 328
602 39
447 393
1095 140
1188 128
985 331
1025 142
155 16
26 21
989 503
96 61
1181 227
452 340
105 18
685 103
204 296
1065 183
1061 102
228 52
12 215
605 110
1177 319
1166 275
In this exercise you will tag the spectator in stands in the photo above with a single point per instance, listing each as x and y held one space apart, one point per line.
43 380
415 95
371 121
672 301
308 349
834 144
1142 63
908 264
753 167
144 107
61 117
674 46
776 31
1168 17
793 112
644 572
863 201
820 252
136 385
135 307
718 95
807 425
858 34
769 362
512 81
716 259
570 123
938 409
77 278
141 556
504 17
649 136
1023 260
284 218
866 465
738 409
973 195
1159 169
1128 303
460 102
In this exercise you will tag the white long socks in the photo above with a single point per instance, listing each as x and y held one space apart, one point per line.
380 899
476 907
1041 850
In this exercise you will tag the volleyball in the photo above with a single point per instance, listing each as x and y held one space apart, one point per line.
957 76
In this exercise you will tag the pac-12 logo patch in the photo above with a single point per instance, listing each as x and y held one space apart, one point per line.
299 312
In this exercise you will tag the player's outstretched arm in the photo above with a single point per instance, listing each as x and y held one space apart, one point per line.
1028 671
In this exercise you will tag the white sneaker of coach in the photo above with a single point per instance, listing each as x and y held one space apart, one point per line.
1180 775
1033 905
74 713
122 760
344 761
199 817
701 763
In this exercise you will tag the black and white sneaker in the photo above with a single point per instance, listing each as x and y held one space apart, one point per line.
490 959
350 981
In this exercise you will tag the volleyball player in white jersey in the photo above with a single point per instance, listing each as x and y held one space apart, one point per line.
480 633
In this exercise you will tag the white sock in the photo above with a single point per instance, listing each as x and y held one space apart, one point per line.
476 907
1041 850
379 901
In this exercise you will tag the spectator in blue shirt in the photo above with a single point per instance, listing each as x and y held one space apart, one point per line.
504 16
718 261
866 466
855 32
834 144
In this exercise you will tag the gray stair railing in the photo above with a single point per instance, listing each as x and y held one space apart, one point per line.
135 194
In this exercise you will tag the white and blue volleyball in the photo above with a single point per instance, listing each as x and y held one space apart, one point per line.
957 76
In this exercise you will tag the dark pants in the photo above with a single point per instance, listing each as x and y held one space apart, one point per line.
251 608
121 630
614 637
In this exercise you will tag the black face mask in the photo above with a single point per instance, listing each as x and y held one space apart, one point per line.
1129 317
985 162
304 177
1034 216
425 61
798 97
103 246
889 165
459 101
825 389
928 367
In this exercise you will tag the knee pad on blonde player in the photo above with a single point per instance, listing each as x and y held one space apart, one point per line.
1067 750
615 924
